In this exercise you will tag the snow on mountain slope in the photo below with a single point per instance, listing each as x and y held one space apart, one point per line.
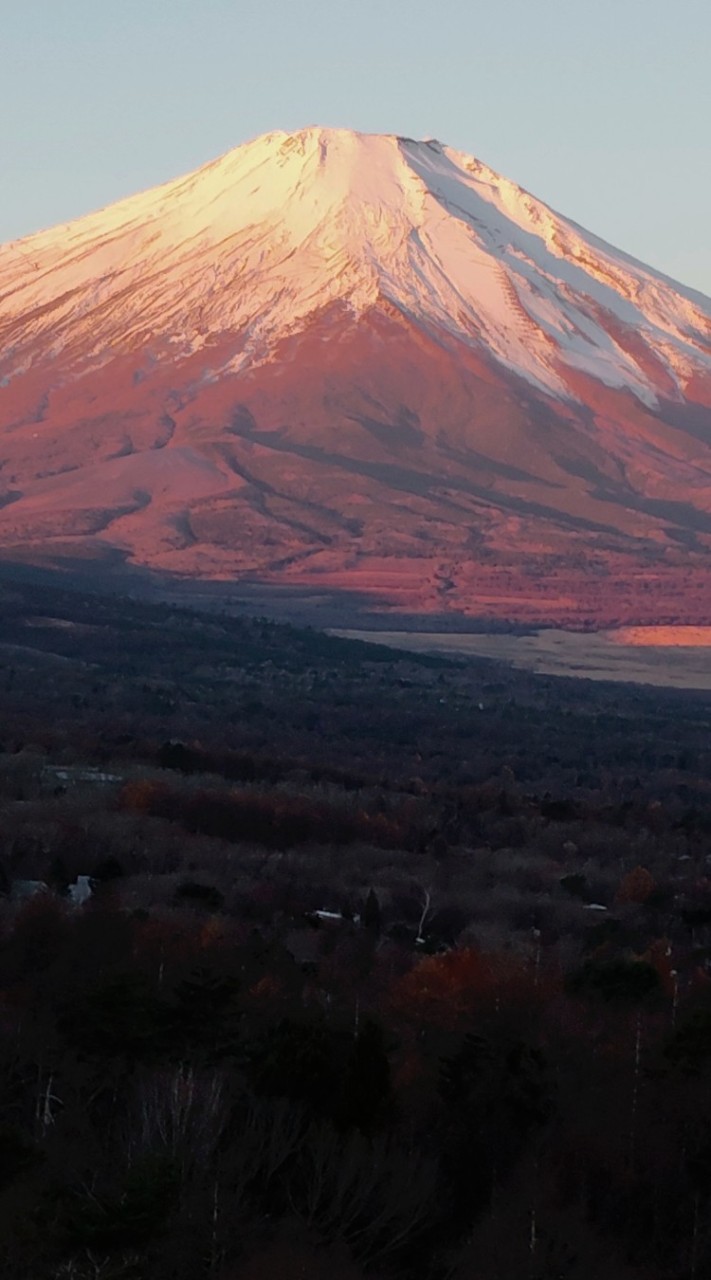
367 364
259 241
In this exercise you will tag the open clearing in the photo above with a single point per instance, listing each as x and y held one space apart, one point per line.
630 655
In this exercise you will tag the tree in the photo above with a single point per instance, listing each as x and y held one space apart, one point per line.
366 1089
444 990
617 981
495 1092
300 1060
637 886
372 914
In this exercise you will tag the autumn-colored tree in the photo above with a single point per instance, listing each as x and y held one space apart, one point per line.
142 795
445 990
637 885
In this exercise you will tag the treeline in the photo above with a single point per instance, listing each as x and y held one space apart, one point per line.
274 819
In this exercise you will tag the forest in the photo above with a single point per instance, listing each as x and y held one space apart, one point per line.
320 961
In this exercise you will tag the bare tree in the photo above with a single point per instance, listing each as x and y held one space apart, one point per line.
426 909
180 1112
371 1196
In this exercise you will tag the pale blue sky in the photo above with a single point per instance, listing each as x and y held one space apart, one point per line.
600 107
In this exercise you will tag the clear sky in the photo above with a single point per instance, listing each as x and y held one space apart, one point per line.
600 107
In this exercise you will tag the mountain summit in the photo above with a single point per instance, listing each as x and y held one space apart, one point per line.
364 362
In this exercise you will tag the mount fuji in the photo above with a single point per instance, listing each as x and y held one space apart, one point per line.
366 366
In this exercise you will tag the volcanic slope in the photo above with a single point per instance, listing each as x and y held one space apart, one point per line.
363 364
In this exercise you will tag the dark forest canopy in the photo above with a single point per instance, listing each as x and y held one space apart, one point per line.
392 967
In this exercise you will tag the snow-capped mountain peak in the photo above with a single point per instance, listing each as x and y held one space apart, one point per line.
259 241
351 361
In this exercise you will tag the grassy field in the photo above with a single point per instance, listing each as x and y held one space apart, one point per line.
628 655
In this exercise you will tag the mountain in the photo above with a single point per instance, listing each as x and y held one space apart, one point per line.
364 365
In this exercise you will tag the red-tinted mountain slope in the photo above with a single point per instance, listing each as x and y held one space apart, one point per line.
360 363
